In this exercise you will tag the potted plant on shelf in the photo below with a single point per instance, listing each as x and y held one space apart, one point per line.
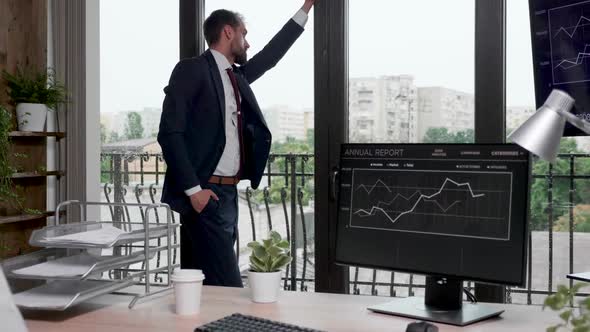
33 92
267 259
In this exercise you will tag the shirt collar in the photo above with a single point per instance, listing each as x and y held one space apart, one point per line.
221 60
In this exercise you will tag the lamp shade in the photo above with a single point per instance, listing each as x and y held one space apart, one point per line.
541 133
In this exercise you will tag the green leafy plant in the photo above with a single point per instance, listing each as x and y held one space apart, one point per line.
269 255
4 248
32 211
6 193
576 319
27 85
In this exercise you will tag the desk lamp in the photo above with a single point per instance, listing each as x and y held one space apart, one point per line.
541 133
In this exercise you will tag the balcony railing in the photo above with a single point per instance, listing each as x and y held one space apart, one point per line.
132 177
139 177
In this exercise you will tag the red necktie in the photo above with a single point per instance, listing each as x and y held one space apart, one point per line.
234 83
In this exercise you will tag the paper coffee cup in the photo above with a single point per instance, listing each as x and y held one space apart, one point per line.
188 284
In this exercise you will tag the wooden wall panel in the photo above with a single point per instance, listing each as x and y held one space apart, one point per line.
23 42
23 36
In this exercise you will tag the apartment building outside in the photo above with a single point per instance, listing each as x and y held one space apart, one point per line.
284 121
440 107
150 121
382 109
517 115
308 120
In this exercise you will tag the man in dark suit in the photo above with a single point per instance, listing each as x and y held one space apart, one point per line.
213 134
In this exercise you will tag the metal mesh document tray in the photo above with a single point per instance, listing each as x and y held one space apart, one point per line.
39 237
62 294
70 264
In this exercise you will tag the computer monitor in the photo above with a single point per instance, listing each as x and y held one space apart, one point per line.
452 212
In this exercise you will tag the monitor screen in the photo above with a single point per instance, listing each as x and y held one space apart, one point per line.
452 210
560 53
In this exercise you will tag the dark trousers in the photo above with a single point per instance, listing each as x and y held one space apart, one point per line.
207 239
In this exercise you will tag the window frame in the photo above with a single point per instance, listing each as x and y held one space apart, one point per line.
331 109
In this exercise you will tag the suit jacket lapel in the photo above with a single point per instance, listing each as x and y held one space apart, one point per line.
214 70
248 95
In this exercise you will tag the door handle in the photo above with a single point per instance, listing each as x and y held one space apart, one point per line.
333 180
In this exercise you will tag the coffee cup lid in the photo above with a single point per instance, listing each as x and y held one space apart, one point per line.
187 275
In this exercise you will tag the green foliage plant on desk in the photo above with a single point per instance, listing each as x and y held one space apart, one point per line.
267 259
574 319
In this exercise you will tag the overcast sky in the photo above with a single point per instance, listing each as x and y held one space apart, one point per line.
431 40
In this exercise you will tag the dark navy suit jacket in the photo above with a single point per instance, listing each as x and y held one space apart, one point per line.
192 131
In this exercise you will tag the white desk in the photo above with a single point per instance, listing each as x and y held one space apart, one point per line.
9 315
315 310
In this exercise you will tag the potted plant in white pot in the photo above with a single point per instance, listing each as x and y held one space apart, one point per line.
33 92
267 259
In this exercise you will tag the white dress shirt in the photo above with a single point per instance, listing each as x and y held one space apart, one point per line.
229 163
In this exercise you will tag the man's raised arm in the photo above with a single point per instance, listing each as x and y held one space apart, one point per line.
278 46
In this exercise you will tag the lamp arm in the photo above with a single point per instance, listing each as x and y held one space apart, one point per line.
577 122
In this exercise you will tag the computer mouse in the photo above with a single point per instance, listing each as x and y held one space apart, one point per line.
421 327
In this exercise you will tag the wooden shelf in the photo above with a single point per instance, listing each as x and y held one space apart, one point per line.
29 175
27 19
27 217
57 135
20 218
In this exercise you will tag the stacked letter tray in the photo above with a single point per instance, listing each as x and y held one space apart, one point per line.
67 264
62 294
49 236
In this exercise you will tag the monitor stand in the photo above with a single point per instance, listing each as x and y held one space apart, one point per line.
443 303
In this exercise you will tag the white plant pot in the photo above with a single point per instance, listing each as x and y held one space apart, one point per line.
264 286
31 117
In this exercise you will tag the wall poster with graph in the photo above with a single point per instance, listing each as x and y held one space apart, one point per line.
433 207
560 32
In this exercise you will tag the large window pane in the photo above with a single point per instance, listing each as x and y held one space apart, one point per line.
555 201
411 80
138 50
285 95
520 88
139 47
411 71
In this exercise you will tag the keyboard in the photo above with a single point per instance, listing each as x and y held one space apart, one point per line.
246 323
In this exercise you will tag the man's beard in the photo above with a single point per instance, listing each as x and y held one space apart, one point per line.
239 53
241 57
